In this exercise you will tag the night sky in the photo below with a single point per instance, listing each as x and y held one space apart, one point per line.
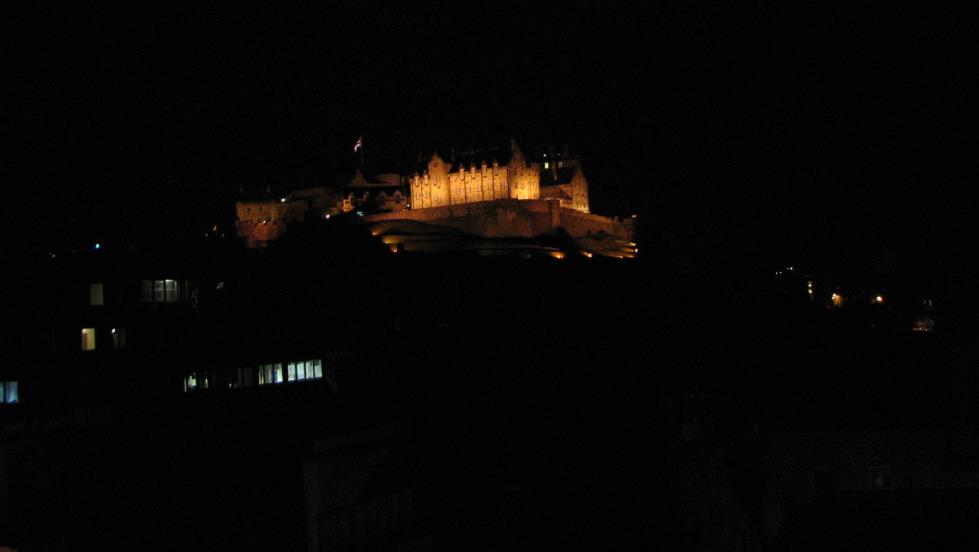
771 131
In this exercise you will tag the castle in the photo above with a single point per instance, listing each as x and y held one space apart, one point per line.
493 193
440 184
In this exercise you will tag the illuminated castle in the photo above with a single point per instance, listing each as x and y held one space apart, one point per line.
440 184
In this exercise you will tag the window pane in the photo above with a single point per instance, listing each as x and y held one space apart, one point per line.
301 370
159 295
277 373
147 287
318 368
291 371
88 339
95 294
118 338
12 395
171 291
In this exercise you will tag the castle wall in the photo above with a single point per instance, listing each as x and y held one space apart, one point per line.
580 224
512 218
579 192
439 187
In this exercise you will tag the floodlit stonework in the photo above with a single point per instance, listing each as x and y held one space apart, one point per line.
442 184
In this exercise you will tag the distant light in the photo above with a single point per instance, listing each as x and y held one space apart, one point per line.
360 213
879 299
635 216
809 284
327 217
283 200
113 330
790 269
588 254
837 299
557 254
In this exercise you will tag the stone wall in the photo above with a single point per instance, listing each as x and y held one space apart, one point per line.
513 218
580 224
440 186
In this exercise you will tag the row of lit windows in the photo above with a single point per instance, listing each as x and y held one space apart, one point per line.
118 336
165 291
152 291
294 371
9 392
263 374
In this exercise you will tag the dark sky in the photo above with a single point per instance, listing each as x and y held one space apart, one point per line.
767 129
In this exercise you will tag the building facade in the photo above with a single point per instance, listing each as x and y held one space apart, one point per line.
441 183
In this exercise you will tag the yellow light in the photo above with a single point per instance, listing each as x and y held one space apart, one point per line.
837 299
557 254
393 247
588 254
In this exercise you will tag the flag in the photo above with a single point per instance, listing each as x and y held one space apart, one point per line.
358 144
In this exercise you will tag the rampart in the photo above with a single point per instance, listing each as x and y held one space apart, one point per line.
513 218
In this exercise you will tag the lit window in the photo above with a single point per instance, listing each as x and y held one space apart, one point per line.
193 382
165 291
8 392
303 370
270 373
547 165
118 337
95 294
88 339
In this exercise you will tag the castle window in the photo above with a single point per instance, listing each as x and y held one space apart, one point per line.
88 339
